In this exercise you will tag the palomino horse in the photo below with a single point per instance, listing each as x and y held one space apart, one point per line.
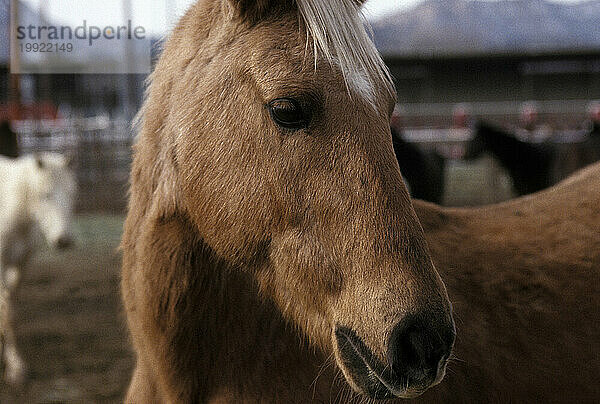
269 231
524 280
37 193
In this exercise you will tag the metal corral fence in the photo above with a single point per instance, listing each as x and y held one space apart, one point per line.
101 149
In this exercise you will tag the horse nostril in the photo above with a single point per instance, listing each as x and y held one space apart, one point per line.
417 346
64 242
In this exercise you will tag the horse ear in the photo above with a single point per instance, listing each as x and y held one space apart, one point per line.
251 10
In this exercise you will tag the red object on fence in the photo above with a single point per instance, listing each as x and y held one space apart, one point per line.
13 111
461 116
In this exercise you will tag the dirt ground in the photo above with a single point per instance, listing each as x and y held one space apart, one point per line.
69 322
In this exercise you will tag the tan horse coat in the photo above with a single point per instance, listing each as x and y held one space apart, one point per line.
524 280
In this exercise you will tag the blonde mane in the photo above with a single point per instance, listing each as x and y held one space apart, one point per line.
338 34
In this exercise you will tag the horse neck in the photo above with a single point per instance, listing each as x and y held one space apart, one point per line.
216 315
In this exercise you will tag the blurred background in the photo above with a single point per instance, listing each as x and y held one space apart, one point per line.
495 99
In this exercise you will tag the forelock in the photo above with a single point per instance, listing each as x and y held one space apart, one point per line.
337 31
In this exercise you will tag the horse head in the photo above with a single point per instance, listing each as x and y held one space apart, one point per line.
269 121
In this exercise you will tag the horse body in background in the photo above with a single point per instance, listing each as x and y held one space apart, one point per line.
37 193
269 235
590 152
524 280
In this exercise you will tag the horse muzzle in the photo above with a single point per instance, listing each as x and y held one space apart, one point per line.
417 355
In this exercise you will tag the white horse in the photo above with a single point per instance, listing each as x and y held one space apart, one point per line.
37 194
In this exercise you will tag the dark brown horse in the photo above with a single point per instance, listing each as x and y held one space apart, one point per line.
270 237
9 146
529 164
423 170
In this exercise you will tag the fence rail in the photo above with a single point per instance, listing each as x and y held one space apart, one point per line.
102 152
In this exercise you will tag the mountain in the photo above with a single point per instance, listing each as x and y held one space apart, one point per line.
450 27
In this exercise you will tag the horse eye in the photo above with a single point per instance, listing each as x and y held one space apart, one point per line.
288 114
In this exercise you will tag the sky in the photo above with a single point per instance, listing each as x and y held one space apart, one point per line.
157 16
